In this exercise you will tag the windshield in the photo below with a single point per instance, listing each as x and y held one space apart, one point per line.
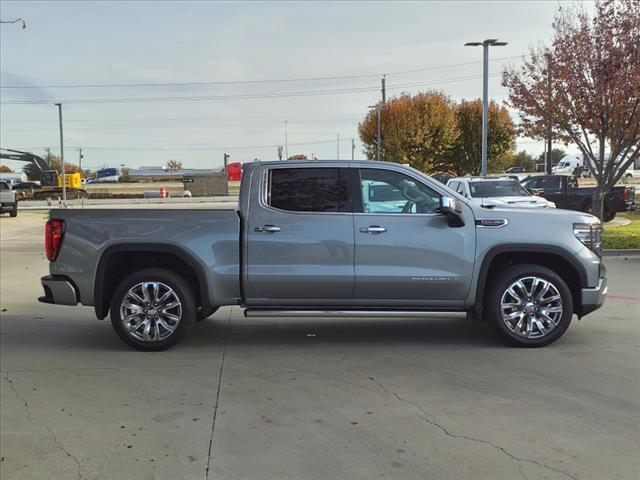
501 188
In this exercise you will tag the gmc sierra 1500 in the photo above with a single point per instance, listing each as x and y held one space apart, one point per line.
324 238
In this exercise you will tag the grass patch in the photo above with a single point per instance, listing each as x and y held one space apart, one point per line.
624 236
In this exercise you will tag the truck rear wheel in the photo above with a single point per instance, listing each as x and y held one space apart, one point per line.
14 212
153 309
530 304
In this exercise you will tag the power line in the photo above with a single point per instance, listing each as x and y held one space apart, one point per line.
194 149
245 82
280 118
251 96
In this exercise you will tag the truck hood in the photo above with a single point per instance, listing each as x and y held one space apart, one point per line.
539 214
515 201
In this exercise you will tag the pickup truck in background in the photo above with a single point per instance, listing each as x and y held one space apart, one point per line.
328 238
8 200
563 190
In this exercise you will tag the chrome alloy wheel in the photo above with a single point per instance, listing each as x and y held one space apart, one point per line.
150 311
531 307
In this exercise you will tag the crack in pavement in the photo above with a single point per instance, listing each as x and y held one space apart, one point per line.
46 427
427 418
215 408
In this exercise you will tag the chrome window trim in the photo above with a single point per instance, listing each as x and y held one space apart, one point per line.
265 189
265 186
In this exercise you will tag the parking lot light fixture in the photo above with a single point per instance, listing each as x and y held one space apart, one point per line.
490 42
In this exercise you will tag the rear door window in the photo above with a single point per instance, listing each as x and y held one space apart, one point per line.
310 189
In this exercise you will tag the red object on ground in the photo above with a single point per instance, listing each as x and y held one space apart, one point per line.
234 171
163 192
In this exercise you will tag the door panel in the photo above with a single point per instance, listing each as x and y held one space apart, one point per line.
310 253
418 256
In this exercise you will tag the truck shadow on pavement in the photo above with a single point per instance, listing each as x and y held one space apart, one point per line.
327 332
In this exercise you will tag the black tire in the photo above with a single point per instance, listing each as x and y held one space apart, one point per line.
498 287
608 216
14 213
187 304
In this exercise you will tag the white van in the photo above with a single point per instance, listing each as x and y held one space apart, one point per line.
568 164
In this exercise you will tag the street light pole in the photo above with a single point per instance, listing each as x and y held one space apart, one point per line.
64 178
485 93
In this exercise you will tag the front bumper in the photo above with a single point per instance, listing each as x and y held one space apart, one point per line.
59 290
593 298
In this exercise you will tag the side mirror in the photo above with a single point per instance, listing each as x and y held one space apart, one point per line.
450 208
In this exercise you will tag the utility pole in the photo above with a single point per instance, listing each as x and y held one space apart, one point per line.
280 152
549 126
286 140
226 175
491 42
379 134
64 178
384 89
338 148
353 148
48 150
378 107
80 157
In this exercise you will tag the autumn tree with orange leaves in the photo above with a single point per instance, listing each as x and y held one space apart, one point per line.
587 83
417 130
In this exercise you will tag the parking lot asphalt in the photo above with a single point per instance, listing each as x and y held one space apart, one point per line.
311 399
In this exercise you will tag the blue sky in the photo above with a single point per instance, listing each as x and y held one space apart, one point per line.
88 43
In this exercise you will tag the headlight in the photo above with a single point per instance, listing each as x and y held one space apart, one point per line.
590 234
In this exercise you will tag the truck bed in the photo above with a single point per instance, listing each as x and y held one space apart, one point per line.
210 238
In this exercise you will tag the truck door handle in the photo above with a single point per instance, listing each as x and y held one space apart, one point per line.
267 229
373 229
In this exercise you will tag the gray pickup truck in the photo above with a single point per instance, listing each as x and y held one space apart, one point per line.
328 238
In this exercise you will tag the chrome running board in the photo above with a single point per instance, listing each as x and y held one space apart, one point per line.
273 312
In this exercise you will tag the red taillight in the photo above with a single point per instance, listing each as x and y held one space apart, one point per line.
625 194
54 231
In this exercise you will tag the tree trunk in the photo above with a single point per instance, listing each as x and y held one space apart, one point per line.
597 206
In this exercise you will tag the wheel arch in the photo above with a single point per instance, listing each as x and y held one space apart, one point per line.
554 258
119 261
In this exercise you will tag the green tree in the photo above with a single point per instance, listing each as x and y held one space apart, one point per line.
557 154
524 159
417 130
466 155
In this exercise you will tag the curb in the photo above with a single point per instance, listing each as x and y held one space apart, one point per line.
630 252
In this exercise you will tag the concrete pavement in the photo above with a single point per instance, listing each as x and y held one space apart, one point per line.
311 399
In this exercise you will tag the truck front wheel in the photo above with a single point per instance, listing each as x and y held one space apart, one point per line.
153 309
14 212
530 304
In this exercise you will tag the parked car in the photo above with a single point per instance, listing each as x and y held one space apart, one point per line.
8 200
306 242
516 169
563 190
497 192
